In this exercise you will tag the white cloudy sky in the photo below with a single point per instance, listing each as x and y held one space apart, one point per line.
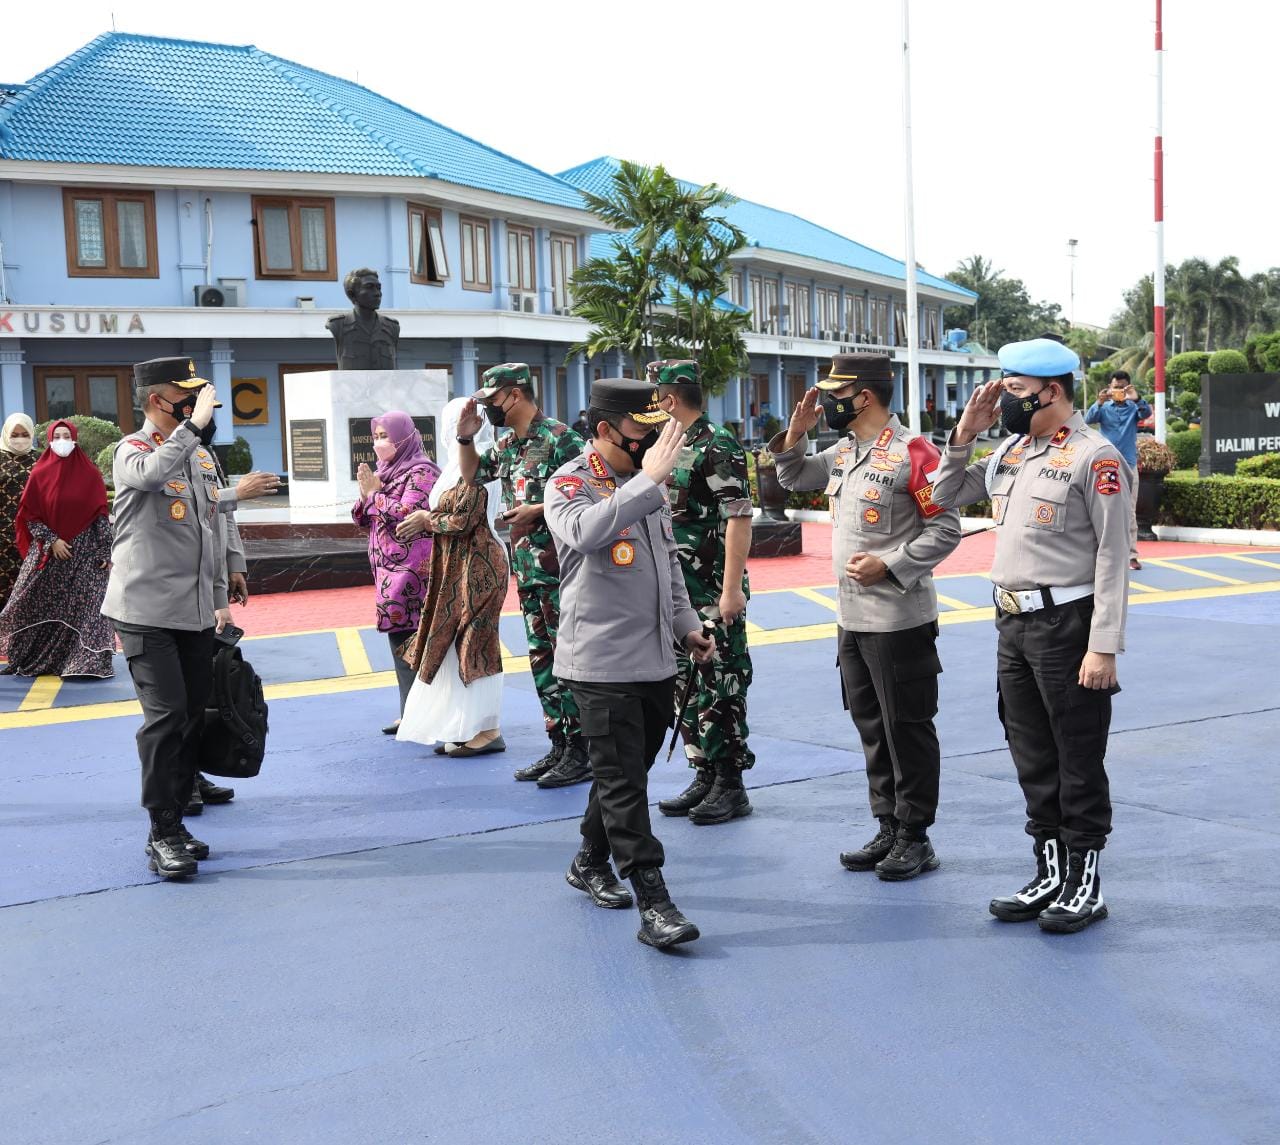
1033 119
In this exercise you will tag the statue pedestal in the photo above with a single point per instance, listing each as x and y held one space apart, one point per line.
328 431
770 538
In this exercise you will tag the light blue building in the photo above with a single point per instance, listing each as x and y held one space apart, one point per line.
143 181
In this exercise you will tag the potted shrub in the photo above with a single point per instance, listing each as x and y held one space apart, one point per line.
773 497
1155 462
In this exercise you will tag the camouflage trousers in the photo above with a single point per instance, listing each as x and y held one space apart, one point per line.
540 606
714 728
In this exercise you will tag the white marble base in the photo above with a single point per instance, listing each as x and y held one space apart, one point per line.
334 397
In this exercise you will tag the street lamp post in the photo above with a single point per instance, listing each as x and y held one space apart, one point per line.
1071 254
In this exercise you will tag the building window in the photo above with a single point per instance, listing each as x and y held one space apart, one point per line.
475 254
104 392
880 321
798 310
520 261
736 288
854 318
110 234
427 262
564 258
829 314
929 329
899 326
295 238
764 305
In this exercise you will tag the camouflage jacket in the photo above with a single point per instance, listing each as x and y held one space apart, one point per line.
524 465
708 486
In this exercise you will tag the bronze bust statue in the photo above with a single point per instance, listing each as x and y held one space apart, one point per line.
365 339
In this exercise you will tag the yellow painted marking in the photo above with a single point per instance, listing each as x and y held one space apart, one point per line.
1252 560
951 602
804 633
43 691
355 660
1164 564
1141 587
814 595
504 651
753 628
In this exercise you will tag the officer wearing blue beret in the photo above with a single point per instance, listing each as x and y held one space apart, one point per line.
1059 495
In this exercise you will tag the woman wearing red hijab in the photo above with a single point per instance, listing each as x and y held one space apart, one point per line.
53 623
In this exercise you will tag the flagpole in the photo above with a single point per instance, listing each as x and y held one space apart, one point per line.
1158 316
911 386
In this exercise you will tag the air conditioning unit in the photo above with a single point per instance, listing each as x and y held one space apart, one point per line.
207 295
234 290
522 302
563 311
827 335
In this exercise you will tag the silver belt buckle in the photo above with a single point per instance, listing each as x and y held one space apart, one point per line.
1008 601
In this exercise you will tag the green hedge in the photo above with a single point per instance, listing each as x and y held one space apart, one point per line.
1264 465
240 457
813 500
1228 362
1186 445
1221 502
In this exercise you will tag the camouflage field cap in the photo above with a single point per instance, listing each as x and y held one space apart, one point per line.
671 371
501 377
630 396
846 368
180 372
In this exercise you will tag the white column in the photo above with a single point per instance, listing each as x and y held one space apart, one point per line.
11 360
221 357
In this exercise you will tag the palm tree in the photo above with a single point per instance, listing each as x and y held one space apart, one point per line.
1227 290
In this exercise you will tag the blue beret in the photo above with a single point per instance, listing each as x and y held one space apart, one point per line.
1038 358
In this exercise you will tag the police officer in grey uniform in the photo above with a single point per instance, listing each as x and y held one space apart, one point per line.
889 535
1059 495
623 608
167 592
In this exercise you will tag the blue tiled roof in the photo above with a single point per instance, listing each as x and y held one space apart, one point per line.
146 101
772 229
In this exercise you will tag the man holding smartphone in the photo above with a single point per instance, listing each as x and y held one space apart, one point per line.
529 448
167 593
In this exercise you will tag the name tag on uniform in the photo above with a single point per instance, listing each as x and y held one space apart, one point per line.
833 482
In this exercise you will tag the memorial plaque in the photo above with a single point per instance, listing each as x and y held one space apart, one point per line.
308 451
362 440
1241 419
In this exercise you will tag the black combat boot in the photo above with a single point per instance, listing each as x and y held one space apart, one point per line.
195 801
691 796
540 767
212 793
661 923
167 852
912 855
590 872
874 849
1027 903
573 767
726 800
1079 903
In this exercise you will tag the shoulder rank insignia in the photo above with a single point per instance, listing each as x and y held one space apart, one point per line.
177 510
137 443
623 553
157 438
1061 436
886 436
568 486
597 465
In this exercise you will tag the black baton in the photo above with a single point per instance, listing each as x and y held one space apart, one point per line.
708 627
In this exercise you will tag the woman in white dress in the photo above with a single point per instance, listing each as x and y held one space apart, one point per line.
456 699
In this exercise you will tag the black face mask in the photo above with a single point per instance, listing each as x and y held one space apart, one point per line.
637 447
840 412
1017 412
207 434
496 415
182 409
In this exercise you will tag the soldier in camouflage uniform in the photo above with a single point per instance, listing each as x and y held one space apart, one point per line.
523 458
711 511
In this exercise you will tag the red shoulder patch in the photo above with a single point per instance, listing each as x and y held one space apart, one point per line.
568 486
142 445
1108 481
925 459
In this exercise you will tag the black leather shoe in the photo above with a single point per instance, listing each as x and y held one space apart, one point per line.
192 845
212 793
691 796
1026 904
195 802
540 767
912 855
661 923
590 873
573 767
391 729
726 800
169 857
1079 903
873 850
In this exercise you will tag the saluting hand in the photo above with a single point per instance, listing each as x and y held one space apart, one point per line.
980 412
206 399
471 420
803 418
660 459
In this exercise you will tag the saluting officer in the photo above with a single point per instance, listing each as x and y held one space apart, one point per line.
1060 498
167 592
624 610
889 535
710 496
524 457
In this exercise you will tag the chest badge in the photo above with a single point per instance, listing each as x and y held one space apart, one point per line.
871 515
177 510
871 493
623 554
1063 457
176 486
1045 513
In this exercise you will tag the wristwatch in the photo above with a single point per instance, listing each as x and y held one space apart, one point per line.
463 440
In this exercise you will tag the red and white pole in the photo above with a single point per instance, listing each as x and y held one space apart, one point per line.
1158 318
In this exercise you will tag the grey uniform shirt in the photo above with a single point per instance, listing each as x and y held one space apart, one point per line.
233 543
1062 512
880 504
168 561
623 602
